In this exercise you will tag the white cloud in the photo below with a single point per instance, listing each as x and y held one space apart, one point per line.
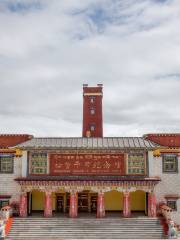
48 49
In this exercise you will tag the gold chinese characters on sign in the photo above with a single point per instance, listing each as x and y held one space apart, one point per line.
87 164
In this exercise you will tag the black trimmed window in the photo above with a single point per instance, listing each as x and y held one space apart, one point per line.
3 203
172 203
92 99
38 163
92 111
170 163
92 127
6 164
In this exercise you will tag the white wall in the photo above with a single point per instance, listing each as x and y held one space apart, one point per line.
24 164
170 184
151 163
7 184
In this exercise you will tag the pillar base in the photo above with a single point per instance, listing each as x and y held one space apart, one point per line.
48 205
23 205
126 205
73 209
100 206
152 205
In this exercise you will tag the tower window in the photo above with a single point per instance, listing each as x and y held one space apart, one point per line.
92 111
92 99
92 127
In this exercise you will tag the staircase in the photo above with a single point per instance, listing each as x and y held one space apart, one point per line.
85 228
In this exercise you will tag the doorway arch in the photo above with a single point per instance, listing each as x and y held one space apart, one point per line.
113 201
138 201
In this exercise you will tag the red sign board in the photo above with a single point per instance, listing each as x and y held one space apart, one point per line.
87 164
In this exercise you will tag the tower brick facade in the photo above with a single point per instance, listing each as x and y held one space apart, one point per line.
92 111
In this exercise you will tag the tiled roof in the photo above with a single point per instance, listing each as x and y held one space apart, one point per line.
10 140
89 143
164 139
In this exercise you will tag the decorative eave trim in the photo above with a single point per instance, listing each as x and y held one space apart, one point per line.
95 186
15 151
146 179
158 152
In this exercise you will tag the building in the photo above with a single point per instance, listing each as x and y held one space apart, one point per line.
165 164
10 165
95 174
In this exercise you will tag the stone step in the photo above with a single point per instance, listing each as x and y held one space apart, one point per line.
97 223
74 224
89 218
111 236
91 237
84 228
100 222
80 223
89 228
49 228
98 234
95 231
74 232
85 219
137 236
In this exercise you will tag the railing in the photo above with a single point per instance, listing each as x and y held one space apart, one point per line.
2 228
168 224
5 221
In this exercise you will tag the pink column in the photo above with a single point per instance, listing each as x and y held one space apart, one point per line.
73 208
151 205
100 205
126 204
23 205
48 205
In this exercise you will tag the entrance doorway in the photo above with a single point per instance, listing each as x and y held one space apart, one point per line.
94 202
87 201
60 203
83 202
113 201
138 201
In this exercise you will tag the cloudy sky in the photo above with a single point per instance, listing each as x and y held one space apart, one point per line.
49 48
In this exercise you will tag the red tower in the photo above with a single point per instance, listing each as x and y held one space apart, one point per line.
92 111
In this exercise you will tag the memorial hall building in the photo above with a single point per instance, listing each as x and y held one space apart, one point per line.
91 174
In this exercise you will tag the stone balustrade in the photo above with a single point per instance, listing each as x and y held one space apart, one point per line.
170 228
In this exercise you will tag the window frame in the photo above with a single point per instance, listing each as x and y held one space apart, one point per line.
92 111
165 163
12 163
94 127
37 167
92 99
4 200
174 209
132 164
